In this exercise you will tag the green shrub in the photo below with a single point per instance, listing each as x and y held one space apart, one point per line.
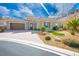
72 32
71 42
38 29
60 27
43 28
55 28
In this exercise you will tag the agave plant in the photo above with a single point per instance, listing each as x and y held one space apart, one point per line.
73 24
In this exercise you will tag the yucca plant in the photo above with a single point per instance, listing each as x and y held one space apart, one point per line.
73 24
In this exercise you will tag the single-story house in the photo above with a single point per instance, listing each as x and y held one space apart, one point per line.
32 22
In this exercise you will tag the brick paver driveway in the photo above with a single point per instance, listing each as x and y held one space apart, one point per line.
20 34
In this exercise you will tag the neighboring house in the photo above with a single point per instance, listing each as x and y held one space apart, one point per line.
2 26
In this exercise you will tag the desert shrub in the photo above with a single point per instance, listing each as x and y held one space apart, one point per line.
72 32
47 38
71 43
44 33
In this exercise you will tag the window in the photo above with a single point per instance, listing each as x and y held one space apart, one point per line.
47 24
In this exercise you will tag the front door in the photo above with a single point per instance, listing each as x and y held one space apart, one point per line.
32 26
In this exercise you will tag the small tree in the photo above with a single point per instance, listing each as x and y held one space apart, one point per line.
43 28
72 25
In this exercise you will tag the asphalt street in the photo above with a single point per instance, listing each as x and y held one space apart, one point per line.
8 48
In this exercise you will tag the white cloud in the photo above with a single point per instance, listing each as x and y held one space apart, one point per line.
22 9
25 9
17 13
4 10
63 8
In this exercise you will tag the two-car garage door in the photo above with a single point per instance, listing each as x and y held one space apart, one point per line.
17 26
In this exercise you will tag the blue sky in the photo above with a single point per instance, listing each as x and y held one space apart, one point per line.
22 10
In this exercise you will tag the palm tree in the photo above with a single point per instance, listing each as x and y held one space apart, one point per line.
73 24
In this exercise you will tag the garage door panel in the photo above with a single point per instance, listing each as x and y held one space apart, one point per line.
17 26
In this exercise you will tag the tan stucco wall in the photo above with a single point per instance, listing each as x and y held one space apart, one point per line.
40 21
26 25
